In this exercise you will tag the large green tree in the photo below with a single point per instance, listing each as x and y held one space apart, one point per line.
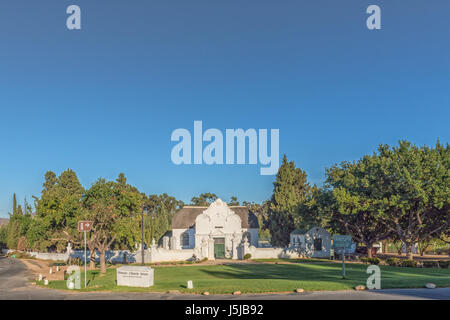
114 207
352 193
161 209
58 211
401 192
414 189
19 224
291 188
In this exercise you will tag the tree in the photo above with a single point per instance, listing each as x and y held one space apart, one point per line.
13 231
14 203
59 209
204 200
290 190
317 210
161 210
400 192
354 193
13 228
114 208
19 223
234 201
3 235
261 212
413 191
50 181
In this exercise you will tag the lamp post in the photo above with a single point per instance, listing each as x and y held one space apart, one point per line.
144 211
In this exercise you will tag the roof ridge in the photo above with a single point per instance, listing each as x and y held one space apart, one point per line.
195 207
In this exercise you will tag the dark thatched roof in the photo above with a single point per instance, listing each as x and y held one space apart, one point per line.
185 218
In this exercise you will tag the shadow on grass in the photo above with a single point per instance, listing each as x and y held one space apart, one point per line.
355 274
304 272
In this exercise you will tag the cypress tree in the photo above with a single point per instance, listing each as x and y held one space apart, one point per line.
290 190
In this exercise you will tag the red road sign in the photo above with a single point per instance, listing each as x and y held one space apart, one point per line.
85 225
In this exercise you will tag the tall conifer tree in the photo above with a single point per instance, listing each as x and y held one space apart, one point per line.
290 190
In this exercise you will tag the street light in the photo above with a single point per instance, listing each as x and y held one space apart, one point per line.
144 211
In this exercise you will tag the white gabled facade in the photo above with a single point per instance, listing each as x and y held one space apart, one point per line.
215 228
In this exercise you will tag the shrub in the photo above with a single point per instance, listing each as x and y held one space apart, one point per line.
409 263
364 260
373 260
444 263
393 262
19 255
429 264
247 256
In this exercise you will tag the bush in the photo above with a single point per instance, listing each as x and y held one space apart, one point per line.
75 261
247 256
429 264
393 262
443 251
19 255
409 263
444 263
373 260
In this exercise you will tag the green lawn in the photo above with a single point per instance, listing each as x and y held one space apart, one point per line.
258 278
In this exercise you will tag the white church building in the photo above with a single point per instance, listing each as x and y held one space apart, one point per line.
216 231
220 231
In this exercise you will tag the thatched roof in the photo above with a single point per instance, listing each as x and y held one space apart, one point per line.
185 218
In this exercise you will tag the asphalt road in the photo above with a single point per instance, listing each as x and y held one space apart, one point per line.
15 285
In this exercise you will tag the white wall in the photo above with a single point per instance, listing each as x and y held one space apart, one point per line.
254 236
163 255
177 234
115 256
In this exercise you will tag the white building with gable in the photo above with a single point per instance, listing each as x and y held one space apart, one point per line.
216 231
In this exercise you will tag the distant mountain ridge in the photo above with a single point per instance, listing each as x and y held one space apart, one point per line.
3 221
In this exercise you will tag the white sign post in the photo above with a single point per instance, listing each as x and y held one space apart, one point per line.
85 226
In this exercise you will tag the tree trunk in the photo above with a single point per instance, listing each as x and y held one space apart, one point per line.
385 247
369 250
408 251
92 258
422 250
400 249
102 261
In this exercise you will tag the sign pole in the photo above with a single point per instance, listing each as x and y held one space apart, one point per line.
85 254
85 226
343 263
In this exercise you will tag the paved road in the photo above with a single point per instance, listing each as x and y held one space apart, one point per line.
14 284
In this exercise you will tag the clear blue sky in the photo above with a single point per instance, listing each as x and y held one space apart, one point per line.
105 99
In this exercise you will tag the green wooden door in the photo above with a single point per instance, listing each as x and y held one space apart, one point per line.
219 248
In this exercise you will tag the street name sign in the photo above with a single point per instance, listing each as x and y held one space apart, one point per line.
85 226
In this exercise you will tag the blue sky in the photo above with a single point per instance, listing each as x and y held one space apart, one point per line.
105 99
